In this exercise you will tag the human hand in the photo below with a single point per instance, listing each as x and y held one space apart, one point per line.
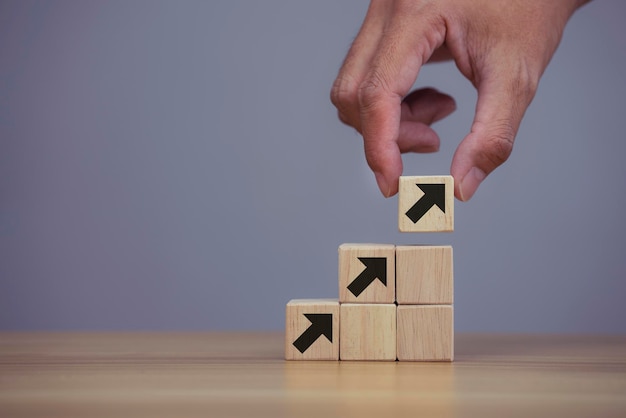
501 46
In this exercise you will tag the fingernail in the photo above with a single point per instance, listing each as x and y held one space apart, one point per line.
382 184
470 183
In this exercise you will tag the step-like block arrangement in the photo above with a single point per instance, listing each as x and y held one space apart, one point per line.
395 302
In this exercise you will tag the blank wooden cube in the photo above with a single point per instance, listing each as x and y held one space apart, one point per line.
312 329
425 333
426 204
367 331
367 273
424 275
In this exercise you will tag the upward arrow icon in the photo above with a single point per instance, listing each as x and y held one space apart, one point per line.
434 195
375 268
321 324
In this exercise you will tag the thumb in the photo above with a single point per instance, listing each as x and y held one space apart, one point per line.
502 102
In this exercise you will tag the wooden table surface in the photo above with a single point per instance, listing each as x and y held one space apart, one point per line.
243 374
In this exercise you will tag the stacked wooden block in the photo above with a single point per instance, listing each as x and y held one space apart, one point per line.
395 301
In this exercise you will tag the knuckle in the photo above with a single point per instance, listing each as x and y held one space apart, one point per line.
499 143
347 119
343 93
371 91
344 96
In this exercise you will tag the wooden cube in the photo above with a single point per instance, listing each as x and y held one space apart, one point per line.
426 204
367 331
425 333
367 273
312 329
424 275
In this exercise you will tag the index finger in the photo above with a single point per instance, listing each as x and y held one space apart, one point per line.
410 38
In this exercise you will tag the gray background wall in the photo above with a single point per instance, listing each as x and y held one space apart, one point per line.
178 165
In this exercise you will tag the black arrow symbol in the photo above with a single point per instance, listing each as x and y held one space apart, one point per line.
375 268
321 324
434 194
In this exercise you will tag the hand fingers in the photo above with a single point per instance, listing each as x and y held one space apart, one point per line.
420 109
427 105
395 40
417 111
503 97
393 70
344 93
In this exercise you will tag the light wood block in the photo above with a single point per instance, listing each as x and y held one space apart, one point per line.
425 333
367 273
312 329
367 331
424 275
426 204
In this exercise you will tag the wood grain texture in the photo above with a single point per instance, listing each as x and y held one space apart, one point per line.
435 220
367 331
350 267
297 324
424 275
243 374
425 333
